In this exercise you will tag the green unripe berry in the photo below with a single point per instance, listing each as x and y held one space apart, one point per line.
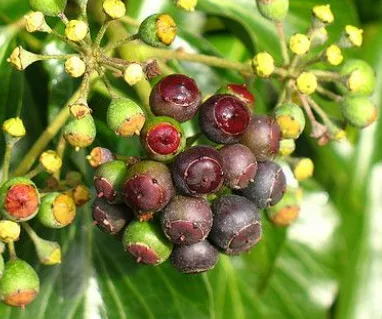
158 30
48 7
291 120
146 242
80 132
359 77
359 111
20 284
125 117
274 10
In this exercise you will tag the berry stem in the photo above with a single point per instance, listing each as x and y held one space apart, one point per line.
101 33
116 44
12 250
61 146
319 111
130 21
192 139
326 75
7 161
73 45
37 170
107 83
29 230
335 97
283 43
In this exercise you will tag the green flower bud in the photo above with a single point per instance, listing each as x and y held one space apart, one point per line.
57 210
9 231
307 83
20 284
75 67
274 10
125 117
48 7
291 120
299 44
80 133
263 64
359 77
287 147
19 199
158 30
21 58
359 111
48 252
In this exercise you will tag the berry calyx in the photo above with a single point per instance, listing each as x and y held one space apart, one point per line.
80 132
224 118
48 7
163 138
99 156
268 187
195 258
291 120
273 10
19 199
158 30
237 226
177 96
198 171
263 64
359 111
239 164
186 220
359 77
80 109
146 242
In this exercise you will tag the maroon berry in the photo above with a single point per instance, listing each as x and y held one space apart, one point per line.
262 137
111 219
224 118
240 91
198 171
186 220
240 165
176 96
196 258
148 188
237 225
268 187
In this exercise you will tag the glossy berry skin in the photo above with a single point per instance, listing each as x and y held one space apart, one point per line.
198 171
268 187
186 220
195 258
177 96
111 219
262 137
148 188
237 225
163 138
108 180
239 164
224 118
241 92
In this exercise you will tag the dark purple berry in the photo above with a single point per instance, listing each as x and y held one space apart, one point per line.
176 96
186 220
268 187
198 171
108 180
262 137
148 188
240 165
195 258
237 225
224 118
111 218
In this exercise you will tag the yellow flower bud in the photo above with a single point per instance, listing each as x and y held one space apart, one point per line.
188 5
21 58
303 169
9 231
263 64
115 9
51 161
76 30
35 21
299 44
287 147
14 127
75 67
323 13
307 83
133 73
355 35
334 55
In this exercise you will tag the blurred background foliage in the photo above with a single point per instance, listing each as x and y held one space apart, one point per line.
327 265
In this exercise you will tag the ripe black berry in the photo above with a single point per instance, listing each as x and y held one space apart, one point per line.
262 137
111 218
240 165
224 118
186 220
268 187
196 258
198 171
148 188
237 225
176 96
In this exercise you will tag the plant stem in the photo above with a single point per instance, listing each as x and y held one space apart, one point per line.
283 43
326 75
116 44
329 94
12 251
37 170
130 21
73 45
319 111
7 161
31 233
101 33
61 146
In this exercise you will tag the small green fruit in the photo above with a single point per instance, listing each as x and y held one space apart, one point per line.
287 210
20 284
359 77
291 120
80 133
359 111
48 252
274 10
125 117
146 242
158 30
48 7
